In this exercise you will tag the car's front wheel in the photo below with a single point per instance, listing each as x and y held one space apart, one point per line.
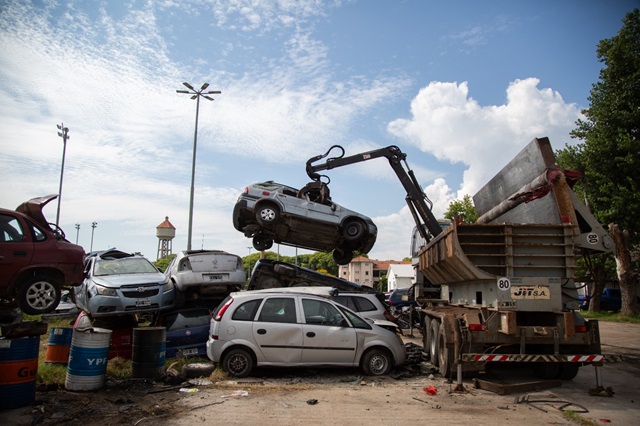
238 363
262 242
38 295
376 362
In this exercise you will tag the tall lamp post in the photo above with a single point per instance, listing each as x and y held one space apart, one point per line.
196 94
77 232
64 134
93 228
249 263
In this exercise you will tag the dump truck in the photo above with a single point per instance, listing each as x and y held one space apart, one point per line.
507 285
502 289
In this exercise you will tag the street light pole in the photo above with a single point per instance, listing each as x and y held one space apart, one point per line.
93 228
64 134
196 94
249 263
77 232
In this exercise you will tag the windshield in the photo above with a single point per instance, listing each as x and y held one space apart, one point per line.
131 265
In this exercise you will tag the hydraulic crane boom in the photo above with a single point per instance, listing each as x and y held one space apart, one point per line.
418 202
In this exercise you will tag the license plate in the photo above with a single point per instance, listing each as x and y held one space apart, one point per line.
193 351
214 277
143 302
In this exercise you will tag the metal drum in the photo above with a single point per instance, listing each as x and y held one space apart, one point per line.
58 345
18 371
149 352
88 359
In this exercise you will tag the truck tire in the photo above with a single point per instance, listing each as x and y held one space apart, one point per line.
445 353
546 370
426 325
434 332
568 370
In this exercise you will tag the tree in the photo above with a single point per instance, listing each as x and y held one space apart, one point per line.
462 210
609 154
164 262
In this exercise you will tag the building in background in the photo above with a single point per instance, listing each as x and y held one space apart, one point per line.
365 271
400 275
165 233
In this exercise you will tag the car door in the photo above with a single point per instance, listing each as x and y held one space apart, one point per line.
327 336
16 247
277 331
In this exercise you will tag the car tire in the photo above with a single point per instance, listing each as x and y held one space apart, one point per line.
198 369
267 214
342 257
238 363
376 362
353 230
262 242
434 333
38 295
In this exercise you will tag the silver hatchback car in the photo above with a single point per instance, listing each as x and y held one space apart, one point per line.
117 282
252 329
305 218
205 274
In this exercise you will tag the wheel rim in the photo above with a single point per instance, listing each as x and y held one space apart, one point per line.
268 214
41 295
378 364
237 364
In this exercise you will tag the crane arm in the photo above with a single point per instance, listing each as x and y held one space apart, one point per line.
418 202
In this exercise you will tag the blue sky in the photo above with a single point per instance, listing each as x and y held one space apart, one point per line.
460 87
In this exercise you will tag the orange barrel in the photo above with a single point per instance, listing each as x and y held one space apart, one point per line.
88 359
18 371
149 352
59 345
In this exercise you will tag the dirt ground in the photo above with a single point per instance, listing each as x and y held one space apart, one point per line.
344 396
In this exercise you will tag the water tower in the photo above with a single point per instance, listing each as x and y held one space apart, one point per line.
165 233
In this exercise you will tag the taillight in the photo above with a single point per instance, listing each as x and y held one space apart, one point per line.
581 328
265 193
246 190
223 310
477 327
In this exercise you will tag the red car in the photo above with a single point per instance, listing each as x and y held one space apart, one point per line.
36 261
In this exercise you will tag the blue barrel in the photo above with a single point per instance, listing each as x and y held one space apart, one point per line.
149 352
58 345
88 359
18 371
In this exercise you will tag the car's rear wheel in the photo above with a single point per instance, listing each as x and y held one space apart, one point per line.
353 230
267 214
262 242
376 362
38 295
342 257
238 363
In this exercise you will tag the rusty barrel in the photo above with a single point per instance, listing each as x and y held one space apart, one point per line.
58 345
149 352
88 359
18 371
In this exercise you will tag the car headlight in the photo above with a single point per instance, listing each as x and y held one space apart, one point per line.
167 287
105 291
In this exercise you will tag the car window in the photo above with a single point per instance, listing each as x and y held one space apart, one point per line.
347 301
38 234
123 266
356 320
278 309
323 313
246 311
10 229
363 305
186 319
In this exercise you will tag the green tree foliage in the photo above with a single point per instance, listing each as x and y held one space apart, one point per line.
164 262
609 154
462 209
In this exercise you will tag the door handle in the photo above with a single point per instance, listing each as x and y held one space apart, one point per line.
311 334
19 253
261 331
